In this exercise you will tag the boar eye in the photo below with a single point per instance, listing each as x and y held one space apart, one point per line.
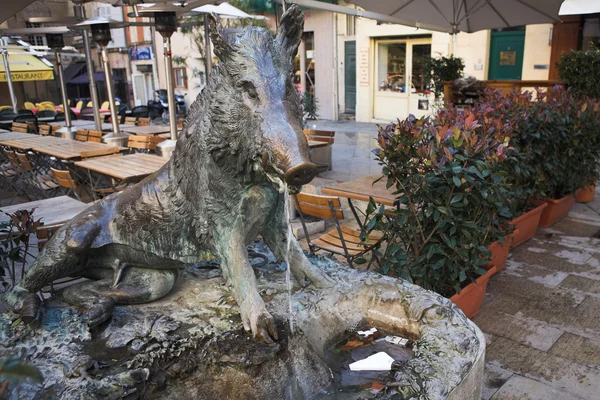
250 89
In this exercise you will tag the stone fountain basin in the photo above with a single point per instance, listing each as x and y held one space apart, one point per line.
191 343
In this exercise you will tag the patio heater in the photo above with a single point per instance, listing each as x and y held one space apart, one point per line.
100 28
56 42
166 23
11 89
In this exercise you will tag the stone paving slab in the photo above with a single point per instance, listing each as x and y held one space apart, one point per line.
577 348
495 377
521 388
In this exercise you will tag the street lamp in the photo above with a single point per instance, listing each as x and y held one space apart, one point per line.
100 28
56 42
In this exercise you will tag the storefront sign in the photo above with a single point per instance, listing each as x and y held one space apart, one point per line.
508 58
363 66
140 53
28 76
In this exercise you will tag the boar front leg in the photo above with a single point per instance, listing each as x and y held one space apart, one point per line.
238 272
276 237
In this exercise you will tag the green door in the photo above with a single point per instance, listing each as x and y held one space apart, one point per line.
506 55
350 77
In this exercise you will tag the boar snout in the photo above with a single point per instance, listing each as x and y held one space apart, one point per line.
300 174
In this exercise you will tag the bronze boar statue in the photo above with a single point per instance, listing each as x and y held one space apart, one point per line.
241 143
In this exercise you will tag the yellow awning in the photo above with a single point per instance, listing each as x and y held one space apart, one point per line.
25 67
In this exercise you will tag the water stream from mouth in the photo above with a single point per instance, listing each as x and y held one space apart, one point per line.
288 272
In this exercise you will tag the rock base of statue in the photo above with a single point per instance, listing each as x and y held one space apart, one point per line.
191 344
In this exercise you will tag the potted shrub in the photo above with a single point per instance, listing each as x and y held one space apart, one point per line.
443 69
451 201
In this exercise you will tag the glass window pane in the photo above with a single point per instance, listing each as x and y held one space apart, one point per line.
591 33
421 53
392 67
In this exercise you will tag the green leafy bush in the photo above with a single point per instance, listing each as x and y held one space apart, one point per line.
451 195
580 70
444 69
310 105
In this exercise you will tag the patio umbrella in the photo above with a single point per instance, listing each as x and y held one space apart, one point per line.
226 10
577 7
469 15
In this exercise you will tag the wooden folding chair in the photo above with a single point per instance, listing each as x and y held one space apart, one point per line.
130 121
64 179
94 136
143 143
81 135
143 121
11 173
40 181
45 130
342 240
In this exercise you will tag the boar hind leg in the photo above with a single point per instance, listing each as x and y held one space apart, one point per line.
136 285
276 237
238 272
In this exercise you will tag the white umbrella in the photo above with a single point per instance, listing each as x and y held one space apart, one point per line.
577 7
226 10
469 15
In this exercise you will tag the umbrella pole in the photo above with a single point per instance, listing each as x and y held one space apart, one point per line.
63 90
109 89
207 51
170 89
11 89
90 68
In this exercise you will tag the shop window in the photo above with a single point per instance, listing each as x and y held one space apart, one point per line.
35 40
391 67
591 33
421 53
180 77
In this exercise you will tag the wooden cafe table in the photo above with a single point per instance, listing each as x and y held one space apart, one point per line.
71 149
124 169
362 189
9 135
28 143
54 210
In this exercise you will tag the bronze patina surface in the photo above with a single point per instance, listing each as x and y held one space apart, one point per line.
224 185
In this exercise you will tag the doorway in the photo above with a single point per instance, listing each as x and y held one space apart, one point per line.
506 54
400 86
350 77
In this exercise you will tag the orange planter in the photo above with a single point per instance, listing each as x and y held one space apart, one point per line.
586 194
499 253
556 210
526 225
470 298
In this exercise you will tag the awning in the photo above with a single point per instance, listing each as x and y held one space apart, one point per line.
84 79
25 67
74 70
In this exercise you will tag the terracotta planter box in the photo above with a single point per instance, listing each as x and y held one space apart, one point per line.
470 298
586 194
556 210
500 253
526 225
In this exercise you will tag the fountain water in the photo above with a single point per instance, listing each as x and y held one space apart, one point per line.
288 273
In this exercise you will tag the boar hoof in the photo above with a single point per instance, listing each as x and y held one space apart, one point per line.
257 318
100 312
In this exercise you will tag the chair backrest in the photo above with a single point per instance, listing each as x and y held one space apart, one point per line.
79 104
319 136
130 120
143 121
24 161
94 136
144 142
63 178
28 105
81 135
56 127
99 153
26 112
20 127
90 104
46 113
7 115
105 105
6 108
45 130
319 206
61 116
140 111
30 120
12 157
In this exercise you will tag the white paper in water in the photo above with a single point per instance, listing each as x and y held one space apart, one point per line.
377 362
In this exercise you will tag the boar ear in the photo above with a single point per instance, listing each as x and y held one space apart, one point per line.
290 32
222 48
